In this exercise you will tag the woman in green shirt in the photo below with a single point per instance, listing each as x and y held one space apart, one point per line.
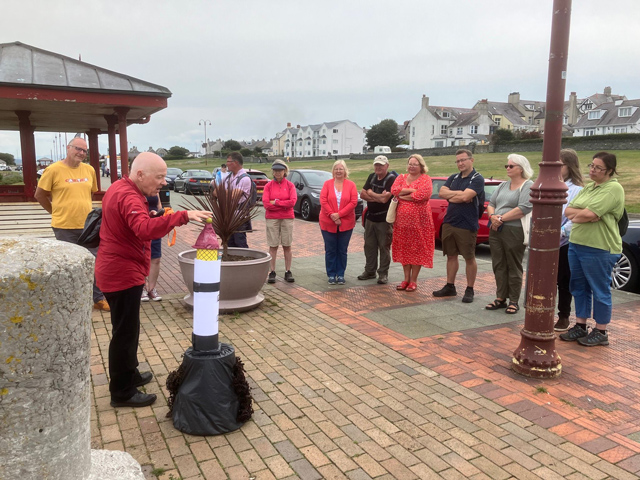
594 248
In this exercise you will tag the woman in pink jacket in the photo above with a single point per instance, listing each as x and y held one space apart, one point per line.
278 198
338 200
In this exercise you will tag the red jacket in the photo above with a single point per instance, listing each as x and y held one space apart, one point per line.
285 195
329 205
124 254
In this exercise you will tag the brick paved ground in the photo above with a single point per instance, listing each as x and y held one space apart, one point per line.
339 393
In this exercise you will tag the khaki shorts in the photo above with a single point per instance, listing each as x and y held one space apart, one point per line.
279 231
458 241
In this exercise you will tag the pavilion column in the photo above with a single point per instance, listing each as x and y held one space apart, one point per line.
113 152
122 133
28 148
94 153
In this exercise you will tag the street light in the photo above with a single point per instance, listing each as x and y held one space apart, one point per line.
204 122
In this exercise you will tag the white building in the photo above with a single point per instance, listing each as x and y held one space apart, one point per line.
619 116
330 138
430 126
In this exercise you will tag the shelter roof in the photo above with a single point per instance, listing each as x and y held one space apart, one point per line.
64 94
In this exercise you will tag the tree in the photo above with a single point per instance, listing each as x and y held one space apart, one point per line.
178 152
246 152
7 157
384 133
502 135
232 145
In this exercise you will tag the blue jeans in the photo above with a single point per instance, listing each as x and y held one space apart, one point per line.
335 251
591 281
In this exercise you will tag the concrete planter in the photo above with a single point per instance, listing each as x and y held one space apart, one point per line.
240 282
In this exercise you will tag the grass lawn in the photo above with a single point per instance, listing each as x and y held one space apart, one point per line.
489 164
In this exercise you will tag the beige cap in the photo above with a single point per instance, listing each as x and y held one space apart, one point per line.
381 160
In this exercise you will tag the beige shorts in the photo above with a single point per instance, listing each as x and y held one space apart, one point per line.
279 231
458 241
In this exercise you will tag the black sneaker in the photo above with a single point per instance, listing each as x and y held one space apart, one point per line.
468 295
288 276
562 325
574 333
595 337
449 290
332 280
340 280
366 275
272 277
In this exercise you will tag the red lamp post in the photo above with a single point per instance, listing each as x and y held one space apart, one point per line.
536 355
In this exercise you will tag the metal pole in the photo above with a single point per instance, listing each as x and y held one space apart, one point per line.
536 355
201 122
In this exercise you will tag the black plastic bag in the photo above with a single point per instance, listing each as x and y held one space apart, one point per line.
90 236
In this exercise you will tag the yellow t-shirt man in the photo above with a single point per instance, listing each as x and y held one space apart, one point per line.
71 190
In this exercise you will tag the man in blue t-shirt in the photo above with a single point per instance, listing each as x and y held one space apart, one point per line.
464 191
377 232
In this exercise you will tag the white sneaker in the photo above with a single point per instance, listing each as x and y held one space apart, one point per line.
153 295
145 295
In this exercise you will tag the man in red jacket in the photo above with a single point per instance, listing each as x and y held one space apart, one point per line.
122 265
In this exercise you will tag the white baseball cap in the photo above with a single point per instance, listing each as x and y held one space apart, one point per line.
381 160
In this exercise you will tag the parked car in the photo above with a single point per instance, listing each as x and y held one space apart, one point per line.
193 181
172 173
308 184
260 179
439 207
626 272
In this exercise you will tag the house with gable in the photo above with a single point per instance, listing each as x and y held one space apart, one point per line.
619 116
330 138
594 101
429 128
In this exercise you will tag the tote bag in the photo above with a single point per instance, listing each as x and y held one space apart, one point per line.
393 207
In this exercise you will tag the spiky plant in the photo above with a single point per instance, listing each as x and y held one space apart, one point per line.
229 213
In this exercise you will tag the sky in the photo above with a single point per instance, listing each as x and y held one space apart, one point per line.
251 66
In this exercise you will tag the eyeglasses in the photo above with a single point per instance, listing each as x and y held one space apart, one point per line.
81 150
510 166
462 160
597 168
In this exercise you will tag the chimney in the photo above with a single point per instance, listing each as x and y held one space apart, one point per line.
482 107
514 98
573 109
607 91
288 124
425 101
297 126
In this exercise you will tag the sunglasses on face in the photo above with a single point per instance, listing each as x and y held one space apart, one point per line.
510 166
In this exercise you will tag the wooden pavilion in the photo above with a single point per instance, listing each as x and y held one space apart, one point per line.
47 92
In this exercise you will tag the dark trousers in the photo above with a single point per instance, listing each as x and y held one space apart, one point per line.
71 235
564 277
377 239
123 349
507 252
335 251
239 239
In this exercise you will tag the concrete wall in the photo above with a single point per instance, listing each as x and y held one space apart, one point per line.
45 320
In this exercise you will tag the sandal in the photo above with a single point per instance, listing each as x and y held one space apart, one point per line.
512 308
497 304
412 287
402 286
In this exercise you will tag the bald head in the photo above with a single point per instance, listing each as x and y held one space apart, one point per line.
148 171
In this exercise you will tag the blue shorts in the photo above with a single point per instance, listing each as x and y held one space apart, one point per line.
156 248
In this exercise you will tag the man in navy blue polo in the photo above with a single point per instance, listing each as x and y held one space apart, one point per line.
464 191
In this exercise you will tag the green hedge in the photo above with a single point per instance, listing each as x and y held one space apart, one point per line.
574 140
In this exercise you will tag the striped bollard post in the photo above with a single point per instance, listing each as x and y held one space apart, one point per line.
206 291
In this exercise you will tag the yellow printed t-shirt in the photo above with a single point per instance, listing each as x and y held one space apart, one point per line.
71 190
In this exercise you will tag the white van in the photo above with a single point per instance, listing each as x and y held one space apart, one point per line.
381 149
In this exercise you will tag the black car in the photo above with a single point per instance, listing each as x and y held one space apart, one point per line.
308 184
626 272
193 181
170 178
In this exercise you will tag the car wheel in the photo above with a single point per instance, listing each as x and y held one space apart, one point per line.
625 272
305 209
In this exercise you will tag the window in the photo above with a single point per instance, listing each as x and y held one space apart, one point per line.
459 131
324 141
433 129
335 152
624 112
451 131
439 143
446 114
308 143
594 114
473 129
528 106
497 120
620 130
413 131
565 120
335 130
335 142
589 131
443 129
588 106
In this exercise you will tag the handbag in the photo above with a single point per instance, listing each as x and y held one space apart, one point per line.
393 207
526 227
90 236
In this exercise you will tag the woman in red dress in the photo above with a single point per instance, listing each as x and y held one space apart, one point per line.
413 232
